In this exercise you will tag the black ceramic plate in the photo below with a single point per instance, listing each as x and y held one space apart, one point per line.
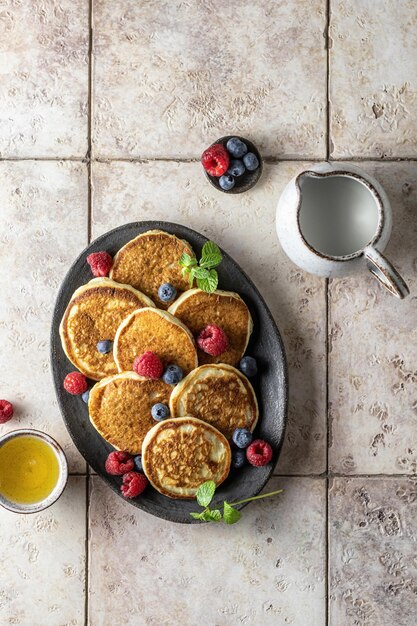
271 384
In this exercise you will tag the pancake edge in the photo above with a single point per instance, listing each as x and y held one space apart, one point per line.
167 316
92 284
148 440
156 231
102 383
178 389
231 294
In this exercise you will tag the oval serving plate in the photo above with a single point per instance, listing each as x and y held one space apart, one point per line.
271 383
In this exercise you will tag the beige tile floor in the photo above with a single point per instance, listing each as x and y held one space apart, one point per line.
104 126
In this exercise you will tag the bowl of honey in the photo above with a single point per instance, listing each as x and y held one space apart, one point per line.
33 471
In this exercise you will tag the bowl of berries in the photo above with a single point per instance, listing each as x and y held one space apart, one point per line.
232 164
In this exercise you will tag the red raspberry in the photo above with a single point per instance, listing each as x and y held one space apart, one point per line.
259 453
133 484
75 383
149 365
118 463
100 263
6 411
212 340
215 160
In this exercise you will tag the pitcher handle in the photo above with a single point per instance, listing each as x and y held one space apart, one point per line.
386 273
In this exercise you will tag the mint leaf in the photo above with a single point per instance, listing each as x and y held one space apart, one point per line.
185 271
211 248
210 283
196 515
206 515
200 273
215 516
205 493
230 515
187 261
191 275
209 261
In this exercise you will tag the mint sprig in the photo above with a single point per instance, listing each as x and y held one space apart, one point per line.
230 515
203 271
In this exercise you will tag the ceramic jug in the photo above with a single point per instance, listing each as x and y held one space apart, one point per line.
334 219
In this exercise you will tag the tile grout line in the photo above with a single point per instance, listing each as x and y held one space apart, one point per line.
267 159
89 229
327 318
87 555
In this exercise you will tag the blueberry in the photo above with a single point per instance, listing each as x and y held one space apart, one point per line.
85 396
236 147
137 460
172 375
160 411
251 161
248 366
104 346
226 182
242 437
167 292
238 458
236 167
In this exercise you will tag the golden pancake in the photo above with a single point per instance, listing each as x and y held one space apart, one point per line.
178 455
150 260
94 313
120 408
219 395
197 309
157 331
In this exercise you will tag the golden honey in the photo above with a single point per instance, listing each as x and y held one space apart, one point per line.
29 470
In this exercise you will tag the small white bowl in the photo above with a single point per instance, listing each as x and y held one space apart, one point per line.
17 507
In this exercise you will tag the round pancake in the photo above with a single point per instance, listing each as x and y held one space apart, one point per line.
219 395
178 455
150 260
157 331
120 408
197 309
95 312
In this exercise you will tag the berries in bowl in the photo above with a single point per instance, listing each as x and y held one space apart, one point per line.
232 164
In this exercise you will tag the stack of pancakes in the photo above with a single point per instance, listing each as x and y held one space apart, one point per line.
213 398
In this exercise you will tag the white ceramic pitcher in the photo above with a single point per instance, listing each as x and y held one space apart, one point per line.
333 219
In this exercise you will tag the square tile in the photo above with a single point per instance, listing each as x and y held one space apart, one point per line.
44 78
271 569
373 78
170 79
43 558
245 226
44 227
372 374
373 563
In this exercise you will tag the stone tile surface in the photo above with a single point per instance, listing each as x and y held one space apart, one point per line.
373 78
373 338
245 226
171 78
373 564
44 78
267 569
43 563
43 228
